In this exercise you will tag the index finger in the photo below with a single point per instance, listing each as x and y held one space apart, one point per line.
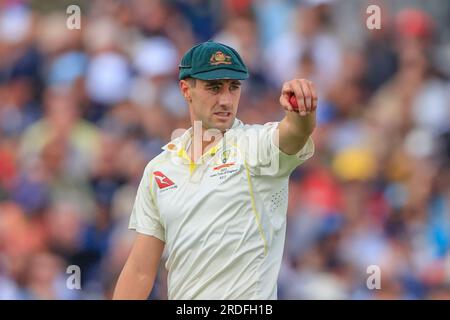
286 92
314 96
300 97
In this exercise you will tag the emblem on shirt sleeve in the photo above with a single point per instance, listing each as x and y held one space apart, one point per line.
162 180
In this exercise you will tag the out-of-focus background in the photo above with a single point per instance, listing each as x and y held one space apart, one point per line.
83 111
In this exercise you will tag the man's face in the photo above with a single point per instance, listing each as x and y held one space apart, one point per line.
214 102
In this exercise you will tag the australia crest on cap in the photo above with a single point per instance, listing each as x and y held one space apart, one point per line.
219 58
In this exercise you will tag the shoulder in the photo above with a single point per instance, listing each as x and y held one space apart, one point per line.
265 126
252 129
157 161
239 125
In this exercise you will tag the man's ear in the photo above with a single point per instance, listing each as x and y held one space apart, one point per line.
185 89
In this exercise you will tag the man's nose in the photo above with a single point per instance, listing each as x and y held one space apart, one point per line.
225 99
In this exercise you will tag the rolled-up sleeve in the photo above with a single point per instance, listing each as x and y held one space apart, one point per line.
266 158
145 217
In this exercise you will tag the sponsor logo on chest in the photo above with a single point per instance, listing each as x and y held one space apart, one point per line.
163 182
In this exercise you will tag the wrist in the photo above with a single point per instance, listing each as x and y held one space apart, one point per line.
301 125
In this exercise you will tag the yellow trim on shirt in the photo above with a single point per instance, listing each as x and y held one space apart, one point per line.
182 153
255 212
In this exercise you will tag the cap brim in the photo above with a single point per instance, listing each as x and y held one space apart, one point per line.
221 74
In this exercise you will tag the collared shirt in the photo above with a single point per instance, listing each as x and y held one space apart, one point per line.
223 219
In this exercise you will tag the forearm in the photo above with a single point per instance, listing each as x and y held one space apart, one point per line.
294 131
299 99
139 272
300 126
133 284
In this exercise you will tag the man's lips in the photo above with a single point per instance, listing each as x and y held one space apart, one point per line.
222 114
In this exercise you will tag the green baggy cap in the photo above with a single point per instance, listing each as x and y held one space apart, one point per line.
212 60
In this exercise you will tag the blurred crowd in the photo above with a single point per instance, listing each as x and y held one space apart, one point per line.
83 111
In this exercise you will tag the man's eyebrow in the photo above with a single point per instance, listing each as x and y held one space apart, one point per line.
213 83
221 83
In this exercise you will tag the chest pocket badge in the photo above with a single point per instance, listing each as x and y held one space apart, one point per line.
225 165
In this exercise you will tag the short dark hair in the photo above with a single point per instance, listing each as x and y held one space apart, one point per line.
192 81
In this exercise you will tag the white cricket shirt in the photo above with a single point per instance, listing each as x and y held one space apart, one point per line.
223 220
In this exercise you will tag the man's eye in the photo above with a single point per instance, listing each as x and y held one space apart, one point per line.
234 87
214 88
